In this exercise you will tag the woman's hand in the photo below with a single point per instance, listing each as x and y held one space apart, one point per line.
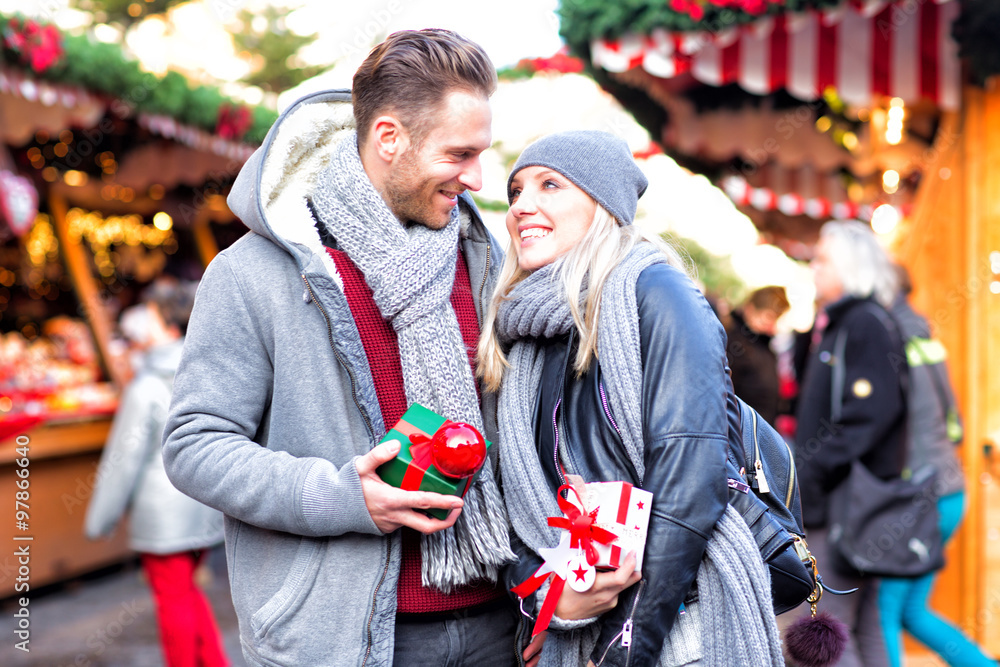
602 596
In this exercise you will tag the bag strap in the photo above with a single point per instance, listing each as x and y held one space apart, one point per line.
839 375
949 410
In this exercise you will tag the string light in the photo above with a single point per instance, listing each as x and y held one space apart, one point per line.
894 124
890 181
885 218
163 221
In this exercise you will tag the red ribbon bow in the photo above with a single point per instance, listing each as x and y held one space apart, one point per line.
582 531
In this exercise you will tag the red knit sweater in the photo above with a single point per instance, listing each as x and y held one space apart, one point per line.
382 350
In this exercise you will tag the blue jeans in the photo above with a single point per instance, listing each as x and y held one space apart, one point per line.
903 606
457 639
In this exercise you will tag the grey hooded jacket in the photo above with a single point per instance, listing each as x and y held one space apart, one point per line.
131 479
273 403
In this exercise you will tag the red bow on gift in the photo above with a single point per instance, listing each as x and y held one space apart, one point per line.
582 531
582 535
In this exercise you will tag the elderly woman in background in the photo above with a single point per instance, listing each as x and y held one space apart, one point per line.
855 284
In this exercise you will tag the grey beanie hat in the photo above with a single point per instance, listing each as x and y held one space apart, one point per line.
598 163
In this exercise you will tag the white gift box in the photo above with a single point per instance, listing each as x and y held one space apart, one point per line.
624 510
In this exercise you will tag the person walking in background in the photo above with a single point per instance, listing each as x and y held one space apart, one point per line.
855 284
934 430
357 294
753 363
611 366
169 530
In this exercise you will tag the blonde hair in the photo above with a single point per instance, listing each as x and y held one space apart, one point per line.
601 249
863 266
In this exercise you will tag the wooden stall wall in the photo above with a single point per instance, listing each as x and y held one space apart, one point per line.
947 246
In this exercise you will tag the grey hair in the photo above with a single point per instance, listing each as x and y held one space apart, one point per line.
862 264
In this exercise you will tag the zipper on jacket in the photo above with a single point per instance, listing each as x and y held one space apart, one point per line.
486 275
625 634
368 424
607 410
555 449
329 331
759 475
378 586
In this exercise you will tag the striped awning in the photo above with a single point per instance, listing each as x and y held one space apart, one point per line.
864 50
817 208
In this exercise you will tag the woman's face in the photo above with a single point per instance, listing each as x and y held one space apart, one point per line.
548 215
829 288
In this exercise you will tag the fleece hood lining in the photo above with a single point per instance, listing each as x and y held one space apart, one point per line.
298 154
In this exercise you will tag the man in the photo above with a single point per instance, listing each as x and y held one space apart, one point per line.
359 292
753 364
855 283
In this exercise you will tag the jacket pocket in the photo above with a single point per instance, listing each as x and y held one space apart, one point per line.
293 590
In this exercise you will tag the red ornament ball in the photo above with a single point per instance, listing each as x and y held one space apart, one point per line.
458 449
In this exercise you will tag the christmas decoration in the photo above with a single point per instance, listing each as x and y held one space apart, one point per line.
458 449
575 555
34 45
582 21
103 68
608 521
233 122
414 467
18 202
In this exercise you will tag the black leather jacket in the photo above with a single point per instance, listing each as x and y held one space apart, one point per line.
686 431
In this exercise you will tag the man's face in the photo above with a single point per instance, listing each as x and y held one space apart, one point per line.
426 179
829 287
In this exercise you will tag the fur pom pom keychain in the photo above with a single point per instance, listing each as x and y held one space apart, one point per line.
820 639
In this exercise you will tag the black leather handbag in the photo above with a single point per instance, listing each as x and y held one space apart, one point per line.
763 488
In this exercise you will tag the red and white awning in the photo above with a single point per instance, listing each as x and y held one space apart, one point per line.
165 126
28 105
818 208
898 49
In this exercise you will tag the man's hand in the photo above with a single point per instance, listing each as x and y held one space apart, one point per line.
602 596
392 508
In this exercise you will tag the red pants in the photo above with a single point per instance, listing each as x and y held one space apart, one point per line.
188 633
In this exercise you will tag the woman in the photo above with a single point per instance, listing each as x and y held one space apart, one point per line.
863 420
613 368
169 530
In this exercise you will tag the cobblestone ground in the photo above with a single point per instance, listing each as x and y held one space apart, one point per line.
107 620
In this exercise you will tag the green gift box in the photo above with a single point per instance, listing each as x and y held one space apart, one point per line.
413 468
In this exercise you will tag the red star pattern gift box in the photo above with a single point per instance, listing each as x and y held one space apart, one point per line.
624 510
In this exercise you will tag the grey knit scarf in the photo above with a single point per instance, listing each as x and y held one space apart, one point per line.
411 272
734 606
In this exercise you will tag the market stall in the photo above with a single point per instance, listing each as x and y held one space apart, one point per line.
806 110
109 178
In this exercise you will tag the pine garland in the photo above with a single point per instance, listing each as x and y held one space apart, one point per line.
977 31
103 68
585 20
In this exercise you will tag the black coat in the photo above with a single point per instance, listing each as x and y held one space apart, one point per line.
687 427
754 367
872 426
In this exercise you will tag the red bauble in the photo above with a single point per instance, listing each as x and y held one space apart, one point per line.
458 449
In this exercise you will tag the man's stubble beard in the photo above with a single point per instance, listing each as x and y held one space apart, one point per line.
405 196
